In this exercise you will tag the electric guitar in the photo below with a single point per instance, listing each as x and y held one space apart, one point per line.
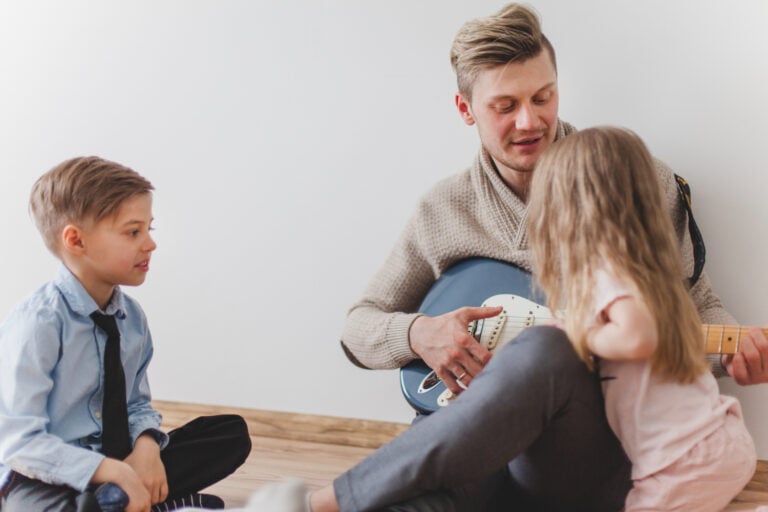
488 282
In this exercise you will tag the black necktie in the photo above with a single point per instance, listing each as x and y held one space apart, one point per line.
116 441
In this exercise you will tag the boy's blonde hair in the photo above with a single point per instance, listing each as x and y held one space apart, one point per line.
511 35
78 190
596 203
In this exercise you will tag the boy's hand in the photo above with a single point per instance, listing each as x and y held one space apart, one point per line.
145 461
120 473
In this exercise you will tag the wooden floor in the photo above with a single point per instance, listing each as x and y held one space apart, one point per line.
318 448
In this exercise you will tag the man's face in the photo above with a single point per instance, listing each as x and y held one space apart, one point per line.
515 109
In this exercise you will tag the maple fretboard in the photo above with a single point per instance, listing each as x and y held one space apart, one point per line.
725 339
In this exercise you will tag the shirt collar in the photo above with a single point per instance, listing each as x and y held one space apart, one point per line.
79 299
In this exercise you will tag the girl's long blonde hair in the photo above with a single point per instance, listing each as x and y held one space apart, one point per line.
596 203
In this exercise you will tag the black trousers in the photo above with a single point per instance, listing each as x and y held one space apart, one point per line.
199 453
203 452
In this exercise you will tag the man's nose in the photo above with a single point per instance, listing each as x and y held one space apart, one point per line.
526 117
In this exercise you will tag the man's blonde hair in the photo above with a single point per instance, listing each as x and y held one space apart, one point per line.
511 35
596 203
78 190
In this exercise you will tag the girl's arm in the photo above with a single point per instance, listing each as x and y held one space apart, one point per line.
627 331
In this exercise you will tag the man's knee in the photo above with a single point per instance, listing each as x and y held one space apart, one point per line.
541 358
545 348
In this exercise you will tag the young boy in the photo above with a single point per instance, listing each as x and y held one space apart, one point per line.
75 407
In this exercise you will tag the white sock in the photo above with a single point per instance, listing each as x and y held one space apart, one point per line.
285 496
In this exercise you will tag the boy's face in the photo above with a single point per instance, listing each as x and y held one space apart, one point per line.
117 249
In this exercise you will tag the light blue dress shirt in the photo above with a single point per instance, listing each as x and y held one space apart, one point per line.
52 381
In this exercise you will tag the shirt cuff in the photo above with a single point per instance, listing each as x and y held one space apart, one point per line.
160 437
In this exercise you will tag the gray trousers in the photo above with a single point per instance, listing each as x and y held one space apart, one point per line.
530 434
35 495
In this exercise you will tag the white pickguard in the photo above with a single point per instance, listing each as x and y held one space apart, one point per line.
493 333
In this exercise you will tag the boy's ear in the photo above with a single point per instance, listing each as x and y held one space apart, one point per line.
72 239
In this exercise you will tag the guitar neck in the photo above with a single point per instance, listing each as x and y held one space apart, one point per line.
725 339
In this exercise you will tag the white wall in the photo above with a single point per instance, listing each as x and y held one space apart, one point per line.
289 141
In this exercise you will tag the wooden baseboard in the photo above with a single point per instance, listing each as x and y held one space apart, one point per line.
291 426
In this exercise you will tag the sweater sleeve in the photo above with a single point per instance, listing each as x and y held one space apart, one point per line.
376 331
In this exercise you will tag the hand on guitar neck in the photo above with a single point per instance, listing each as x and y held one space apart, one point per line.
446 346
749 362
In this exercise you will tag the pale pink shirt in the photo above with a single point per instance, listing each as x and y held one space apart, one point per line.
657 422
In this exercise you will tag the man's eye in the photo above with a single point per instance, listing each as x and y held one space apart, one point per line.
504 107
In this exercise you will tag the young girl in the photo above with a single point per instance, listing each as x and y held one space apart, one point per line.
603 250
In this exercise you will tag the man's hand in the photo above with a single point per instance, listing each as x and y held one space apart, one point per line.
145 461
445 345
750 365
120 473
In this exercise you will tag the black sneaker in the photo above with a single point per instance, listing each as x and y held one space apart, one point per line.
208 501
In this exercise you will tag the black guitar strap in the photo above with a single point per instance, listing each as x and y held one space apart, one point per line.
699 251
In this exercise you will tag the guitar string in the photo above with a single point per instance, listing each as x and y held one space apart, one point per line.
709 331
523 320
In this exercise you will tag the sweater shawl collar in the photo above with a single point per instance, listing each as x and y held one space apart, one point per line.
497 199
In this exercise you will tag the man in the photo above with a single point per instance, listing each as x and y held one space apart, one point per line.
530 430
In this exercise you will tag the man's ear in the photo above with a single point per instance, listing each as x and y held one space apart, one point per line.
72 239
464 109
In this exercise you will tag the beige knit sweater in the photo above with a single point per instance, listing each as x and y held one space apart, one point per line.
471 214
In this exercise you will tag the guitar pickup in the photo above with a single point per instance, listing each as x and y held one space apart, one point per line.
496 329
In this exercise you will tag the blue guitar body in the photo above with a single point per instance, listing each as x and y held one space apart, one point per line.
468 283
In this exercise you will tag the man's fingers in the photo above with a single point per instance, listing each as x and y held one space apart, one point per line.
465 360
737 367
476 313
751 355
449 379
479 357
750 365
471 355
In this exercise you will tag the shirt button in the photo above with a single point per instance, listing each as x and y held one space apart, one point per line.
98 415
